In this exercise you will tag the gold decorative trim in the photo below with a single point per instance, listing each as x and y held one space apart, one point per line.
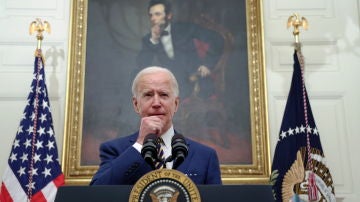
165 180
257 172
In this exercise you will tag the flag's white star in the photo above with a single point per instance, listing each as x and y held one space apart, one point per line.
43 118
21 171
291 131
315 131
33 171
13 157
50 132
50 145
39 144
30 130
31 89
297 130
34 104
20 129
27 143
24 157
283 134
308 129
41 131
32 185
23 116
32 116
48 158
40 77
44 92
38 90
46 172
37 157
16 143
302 129
45 104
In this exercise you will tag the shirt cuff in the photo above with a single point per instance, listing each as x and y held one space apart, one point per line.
137 146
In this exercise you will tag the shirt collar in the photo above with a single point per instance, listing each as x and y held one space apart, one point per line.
168 28
167 136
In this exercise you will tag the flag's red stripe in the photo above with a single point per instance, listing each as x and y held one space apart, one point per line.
4 194
59 180
38 197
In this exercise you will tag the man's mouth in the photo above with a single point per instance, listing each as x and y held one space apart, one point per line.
157 114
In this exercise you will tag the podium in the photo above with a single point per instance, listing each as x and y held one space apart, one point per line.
208 193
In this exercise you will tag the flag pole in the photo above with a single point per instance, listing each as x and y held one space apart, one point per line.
39 26
297 22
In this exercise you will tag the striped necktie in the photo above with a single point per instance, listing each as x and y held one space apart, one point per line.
161 154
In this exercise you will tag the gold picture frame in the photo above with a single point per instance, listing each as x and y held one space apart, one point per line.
258 171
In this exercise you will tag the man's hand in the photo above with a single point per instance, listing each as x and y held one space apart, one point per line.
156 33
203 71
149 125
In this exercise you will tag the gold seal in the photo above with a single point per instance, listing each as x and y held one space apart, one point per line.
165 185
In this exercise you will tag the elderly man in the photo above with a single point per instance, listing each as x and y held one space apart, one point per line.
156 99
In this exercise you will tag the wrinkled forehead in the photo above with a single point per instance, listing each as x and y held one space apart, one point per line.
155 81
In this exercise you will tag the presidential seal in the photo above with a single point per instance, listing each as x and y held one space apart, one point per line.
164 185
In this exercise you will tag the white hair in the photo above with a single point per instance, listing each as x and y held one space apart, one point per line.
154 69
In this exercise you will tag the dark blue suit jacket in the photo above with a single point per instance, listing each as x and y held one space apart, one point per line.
121 163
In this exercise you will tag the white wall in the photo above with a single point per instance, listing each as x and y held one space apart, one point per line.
331 48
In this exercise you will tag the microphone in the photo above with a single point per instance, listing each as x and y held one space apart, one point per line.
149 150
179 149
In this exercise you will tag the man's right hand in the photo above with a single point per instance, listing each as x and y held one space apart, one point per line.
156 33
149 125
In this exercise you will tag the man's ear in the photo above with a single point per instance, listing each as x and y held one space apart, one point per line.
177 102
135 105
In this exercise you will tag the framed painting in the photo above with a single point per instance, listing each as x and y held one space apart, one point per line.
226 111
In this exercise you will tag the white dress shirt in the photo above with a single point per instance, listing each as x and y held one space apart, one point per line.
166 41
167 136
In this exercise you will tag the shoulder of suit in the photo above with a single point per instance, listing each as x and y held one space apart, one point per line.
122 140
182 25
195 144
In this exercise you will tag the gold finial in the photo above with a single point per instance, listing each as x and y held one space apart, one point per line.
296 22
39 27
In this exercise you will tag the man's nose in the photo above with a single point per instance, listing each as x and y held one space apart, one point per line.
156 100
152 18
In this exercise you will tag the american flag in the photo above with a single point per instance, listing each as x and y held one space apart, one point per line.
33 172
299 172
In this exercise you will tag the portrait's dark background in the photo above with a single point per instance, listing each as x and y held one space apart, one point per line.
114 32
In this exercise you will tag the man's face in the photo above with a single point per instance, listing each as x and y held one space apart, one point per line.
158 16
155 97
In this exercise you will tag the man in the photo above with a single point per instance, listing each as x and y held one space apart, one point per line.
188 50
156 99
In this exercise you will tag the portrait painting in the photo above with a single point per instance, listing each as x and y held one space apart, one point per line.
224 108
